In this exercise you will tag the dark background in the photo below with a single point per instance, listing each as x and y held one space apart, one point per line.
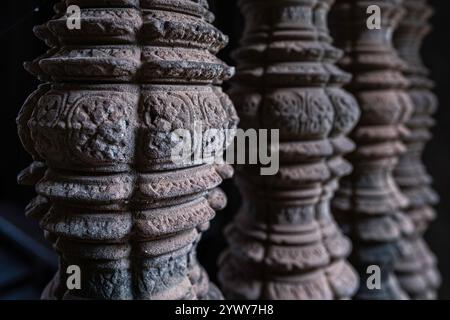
26 262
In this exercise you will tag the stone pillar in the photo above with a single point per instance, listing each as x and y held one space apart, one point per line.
368 203
111 196
416 268
284 242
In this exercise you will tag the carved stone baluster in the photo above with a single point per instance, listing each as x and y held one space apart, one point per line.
111 198
416 268
40 205
368 203
284 243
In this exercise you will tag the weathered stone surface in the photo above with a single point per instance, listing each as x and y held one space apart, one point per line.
284 242
416 267
110 198
369 203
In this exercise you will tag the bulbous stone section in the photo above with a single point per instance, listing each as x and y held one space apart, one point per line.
284 242
110 197
416 267
369 203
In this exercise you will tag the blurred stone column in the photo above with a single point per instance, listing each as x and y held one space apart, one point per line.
284 242
416 268
369 203
112 198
